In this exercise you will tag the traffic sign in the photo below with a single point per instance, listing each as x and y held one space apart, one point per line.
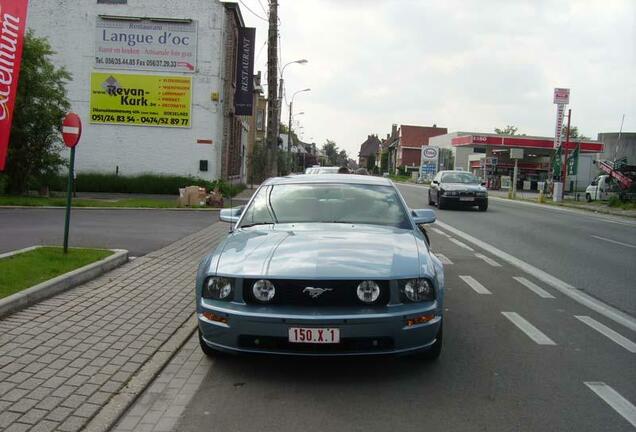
71 129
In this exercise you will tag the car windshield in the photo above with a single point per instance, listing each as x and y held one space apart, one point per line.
459 177
327 170
327 203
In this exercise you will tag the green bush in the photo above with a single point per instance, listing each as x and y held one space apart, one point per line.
615 201
143 183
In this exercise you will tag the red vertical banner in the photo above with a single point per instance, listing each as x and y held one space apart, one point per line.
13 15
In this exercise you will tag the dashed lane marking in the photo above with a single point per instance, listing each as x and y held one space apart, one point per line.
608 333
440 232
489 260
531 331
444 259
475 285
533 287
461 244
586 300
614 399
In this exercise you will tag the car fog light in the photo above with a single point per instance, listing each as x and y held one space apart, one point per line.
217 288
210 316
264 290
368 291
418 290
422 319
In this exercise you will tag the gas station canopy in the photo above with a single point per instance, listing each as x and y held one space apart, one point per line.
509 141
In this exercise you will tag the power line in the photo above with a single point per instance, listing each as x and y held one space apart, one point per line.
253 13
262 7
260 51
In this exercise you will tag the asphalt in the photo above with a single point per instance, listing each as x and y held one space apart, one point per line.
138 231
492 376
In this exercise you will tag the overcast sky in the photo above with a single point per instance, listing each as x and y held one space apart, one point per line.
463 65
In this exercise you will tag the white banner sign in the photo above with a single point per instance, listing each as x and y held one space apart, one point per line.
146 44
559 125
429 160
561 96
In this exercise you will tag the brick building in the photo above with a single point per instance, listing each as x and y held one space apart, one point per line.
368 150
404 145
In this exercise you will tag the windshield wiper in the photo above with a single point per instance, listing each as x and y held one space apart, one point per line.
256 223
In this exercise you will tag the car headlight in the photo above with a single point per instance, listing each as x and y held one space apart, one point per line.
217 288
263 290
368 291
418 290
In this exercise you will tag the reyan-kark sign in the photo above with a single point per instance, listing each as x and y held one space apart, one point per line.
146 44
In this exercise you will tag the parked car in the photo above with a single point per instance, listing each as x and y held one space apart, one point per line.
459 188
602 188
322 266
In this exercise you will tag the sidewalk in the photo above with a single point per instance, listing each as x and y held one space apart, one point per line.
63 359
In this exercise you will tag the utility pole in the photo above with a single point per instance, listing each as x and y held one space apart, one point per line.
273 102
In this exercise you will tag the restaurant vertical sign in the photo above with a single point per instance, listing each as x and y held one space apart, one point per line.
12 24
243 95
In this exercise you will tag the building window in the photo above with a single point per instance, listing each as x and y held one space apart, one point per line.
260 117
112 1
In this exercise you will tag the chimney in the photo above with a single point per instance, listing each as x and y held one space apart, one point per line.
257 79
393 129
388 136
434 125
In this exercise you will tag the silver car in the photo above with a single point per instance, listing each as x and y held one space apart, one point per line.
322 265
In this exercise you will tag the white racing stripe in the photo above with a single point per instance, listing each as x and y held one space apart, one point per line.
471 282
614 241
461 244
608 333
614 399
440 232
531 331
444 259
533 287
596 305
490 261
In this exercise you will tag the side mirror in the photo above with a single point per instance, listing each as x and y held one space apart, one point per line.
434 182
423 216
483 183
231 215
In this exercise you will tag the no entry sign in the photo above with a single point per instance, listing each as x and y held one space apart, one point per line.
71 129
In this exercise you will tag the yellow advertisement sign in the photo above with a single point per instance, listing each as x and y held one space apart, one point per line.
140 100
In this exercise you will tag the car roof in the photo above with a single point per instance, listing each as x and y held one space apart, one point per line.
329 178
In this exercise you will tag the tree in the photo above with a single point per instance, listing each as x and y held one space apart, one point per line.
41 103
342 159
574 134
508 130
330 150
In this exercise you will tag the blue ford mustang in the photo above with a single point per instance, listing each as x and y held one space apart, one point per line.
322 265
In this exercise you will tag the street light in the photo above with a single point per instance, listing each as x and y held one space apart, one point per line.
291 107
280 88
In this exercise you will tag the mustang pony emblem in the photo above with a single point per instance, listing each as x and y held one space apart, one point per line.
315 292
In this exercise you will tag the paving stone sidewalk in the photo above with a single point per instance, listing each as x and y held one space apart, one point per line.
63 359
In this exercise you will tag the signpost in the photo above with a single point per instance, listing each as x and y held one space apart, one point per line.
429 161
515 154
71 132
561 99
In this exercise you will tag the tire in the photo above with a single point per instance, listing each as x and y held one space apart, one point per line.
483 207
435 350
430 201
441 203
588 197
210 352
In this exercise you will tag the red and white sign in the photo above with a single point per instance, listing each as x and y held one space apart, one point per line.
558 130
523 142
561 96
71 129
13 15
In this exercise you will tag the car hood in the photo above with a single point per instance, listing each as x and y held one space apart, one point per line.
462 187
320 251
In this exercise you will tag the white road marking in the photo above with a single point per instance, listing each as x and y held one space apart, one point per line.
614 399
533 287
608 332
444 259
490 261
471 282
440 232
464 245
596 305
531 331
614 241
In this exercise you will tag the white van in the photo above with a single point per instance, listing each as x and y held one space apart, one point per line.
601 188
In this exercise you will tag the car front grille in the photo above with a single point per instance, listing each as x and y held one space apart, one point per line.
295 292
346 345
466 194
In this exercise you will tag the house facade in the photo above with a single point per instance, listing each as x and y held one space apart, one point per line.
404 146
368 151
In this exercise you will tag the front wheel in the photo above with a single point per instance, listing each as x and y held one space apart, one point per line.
210 352
441 203
430 201
483 206
588 197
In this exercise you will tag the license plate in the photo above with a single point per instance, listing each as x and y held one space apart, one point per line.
466 198
314 335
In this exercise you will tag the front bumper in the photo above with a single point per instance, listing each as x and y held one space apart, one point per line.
261 329
453 199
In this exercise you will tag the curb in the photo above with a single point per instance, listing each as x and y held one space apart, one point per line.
112 208
116 407
66 281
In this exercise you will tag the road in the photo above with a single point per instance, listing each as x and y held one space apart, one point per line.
138 231
521 352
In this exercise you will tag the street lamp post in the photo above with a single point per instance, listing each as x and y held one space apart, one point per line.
280 87
291 107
